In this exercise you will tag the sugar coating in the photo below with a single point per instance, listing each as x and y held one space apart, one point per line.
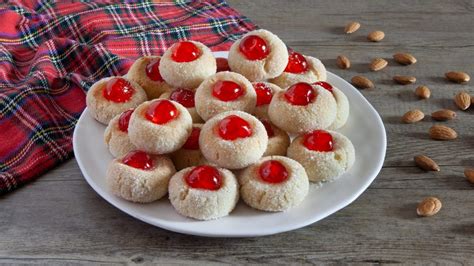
202 204
208 106
117 141
296 119
235 154
137 73
278 144
192 111
324 166
266 196
342 109
261 112
257 70
138 185
187 74
159 139
104 110
184 158
316 72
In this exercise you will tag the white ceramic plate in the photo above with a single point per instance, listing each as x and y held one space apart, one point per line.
364 128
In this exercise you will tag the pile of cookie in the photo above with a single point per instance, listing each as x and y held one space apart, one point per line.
208 131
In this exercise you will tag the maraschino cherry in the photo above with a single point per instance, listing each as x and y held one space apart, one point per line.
138 159
161 112
152 70
184 97
273 171
204 177
185 52
296 63
124 119
233 127
268 128
222 64
254 47
226 90
118 90
192 143
324 84
318 140
264 93
300 94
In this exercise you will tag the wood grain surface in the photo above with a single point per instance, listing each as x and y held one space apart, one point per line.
59 219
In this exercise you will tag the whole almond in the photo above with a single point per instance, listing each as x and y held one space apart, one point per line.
426 163
343 62
469 174
352 27
457 76
439 132
376 36
362 82
423 92
429 207
462 100
404 80
443 115
378 64
404 58
413 116
472 100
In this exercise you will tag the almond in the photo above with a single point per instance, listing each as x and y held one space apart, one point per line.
413 116
443 115
438 132
352 27
457 76
426 163
404 58
343 62
429 207
423 92
462 100
376 36
404 80
378 64
362 82
469 174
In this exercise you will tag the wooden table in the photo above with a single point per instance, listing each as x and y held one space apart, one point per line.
60 219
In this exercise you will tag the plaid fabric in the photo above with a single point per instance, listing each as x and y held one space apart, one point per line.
51 53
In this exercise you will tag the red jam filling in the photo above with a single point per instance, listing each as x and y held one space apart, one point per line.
152 70
227 91
222 64
192 143
161 112
185 52
184 97
118 90
318 140
124 119
296 63
204 177
138 159
273 171
268 128
324 84
233 127
254 47
300 94
264 93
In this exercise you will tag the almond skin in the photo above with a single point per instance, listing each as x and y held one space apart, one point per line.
429 207
469 174
404 58
378 64
343 62
426 163
362 82
376 36
413 116
443 115
404 80
423 92
462 100
439 132
457 76
352 27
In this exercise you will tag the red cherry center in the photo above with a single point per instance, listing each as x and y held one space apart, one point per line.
204 177
268 128
300 94
233 127
152 70
222 64
161 112
254 47
264 93
318 140
226 90
273 171
118 90
124 119
324 84
185 52
184 97
296 63
192 143
139 160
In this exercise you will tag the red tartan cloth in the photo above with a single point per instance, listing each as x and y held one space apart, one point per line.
51 53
